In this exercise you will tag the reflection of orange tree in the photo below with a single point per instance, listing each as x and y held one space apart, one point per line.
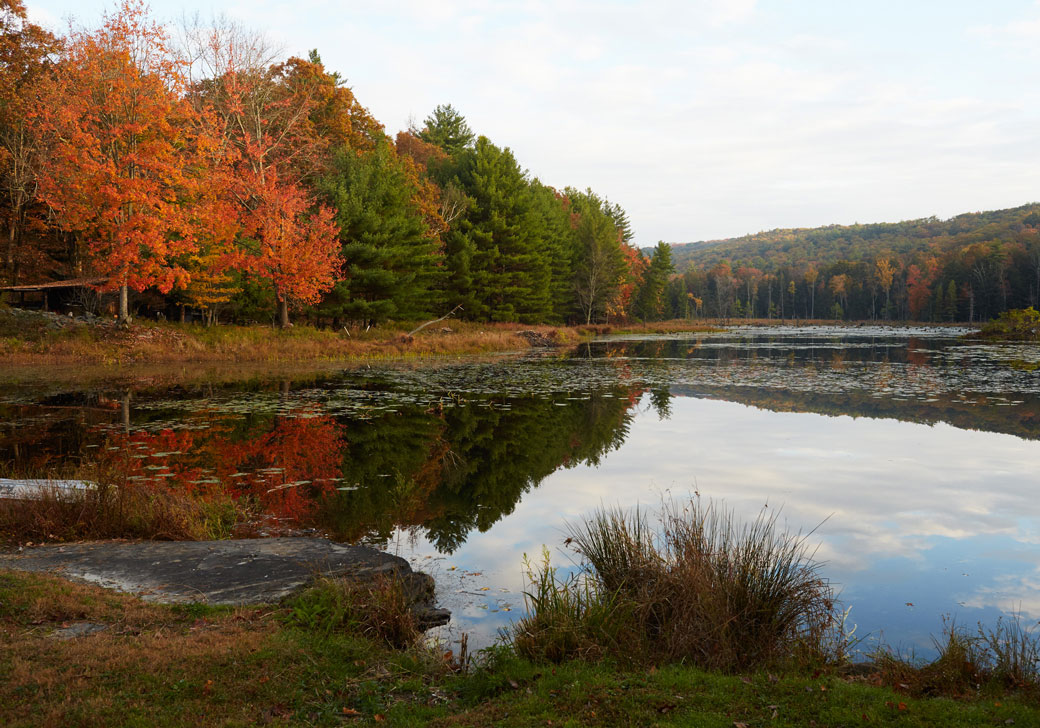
285 469
289 468
164 458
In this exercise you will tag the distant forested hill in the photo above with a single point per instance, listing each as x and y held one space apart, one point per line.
832 243
968 268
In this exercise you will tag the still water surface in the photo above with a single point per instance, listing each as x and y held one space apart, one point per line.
912 456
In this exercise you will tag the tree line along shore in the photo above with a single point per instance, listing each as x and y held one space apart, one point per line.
214 181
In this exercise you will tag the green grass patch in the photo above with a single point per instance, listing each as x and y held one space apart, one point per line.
193 665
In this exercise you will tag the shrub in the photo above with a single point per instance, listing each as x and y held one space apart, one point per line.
699 588
1018 324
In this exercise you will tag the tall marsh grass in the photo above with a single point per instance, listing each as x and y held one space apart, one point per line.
695 585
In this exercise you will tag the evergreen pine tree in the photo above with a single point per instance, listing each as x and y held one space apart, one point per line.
390 259
447 129
497 257
552 209
649 298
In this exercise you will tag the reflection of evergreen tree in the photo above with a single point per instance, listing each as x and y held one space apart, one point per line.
466 467
380 463
661 400
504 453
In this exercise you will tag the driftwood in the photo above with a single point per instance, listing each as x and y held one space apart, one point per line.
447 315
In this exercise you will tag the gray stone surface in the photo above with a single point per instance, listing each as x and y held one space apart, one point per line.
246 571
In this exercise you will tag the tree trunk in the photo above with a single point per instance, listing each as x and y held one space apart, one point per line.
124 304
12 242
126 411
283 313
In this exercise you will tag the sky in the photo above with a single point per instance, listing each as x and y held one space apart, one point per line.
704 119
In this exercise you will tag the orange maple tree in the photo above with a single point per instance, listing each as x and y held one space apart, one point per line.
270 147
296 249
122 168
919 281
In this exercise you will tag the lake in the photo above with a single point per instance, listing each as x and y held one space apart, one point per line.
912 457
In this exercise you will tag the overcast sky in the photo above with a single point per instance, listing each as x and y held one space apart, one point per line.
702 118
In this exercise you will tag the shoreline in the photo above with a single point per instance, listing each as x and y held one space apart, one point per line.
30 340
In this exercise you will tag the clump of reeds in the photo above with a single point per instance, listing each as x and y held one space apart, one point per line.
1003 657
1013 651
698 587
381 609
571 616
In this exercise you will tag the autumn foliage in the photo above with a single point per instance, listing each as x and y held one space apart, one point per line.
121 170
208 174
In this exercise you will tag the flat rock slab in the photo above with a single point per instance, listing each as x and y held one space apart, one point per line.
246 571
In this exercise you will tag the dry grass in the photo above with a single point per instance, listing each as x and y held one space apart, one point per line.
53 682
700 588
124 510
671 326
991 659
179 343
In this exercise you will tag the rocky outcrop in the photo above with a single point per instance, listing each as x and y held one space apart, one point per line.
246 571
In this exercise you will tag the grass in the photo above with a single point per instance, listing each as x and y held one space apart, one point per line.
26 341
117 508
193 665
380 611
987 661
696 587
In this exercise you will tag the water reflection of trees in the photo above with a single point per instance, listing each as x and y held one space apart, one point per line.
464 468
283 465
793 349
1022 420
912 365
445 471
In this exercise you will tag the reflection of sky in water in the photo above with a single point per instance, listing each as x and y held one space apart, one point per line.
941 518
